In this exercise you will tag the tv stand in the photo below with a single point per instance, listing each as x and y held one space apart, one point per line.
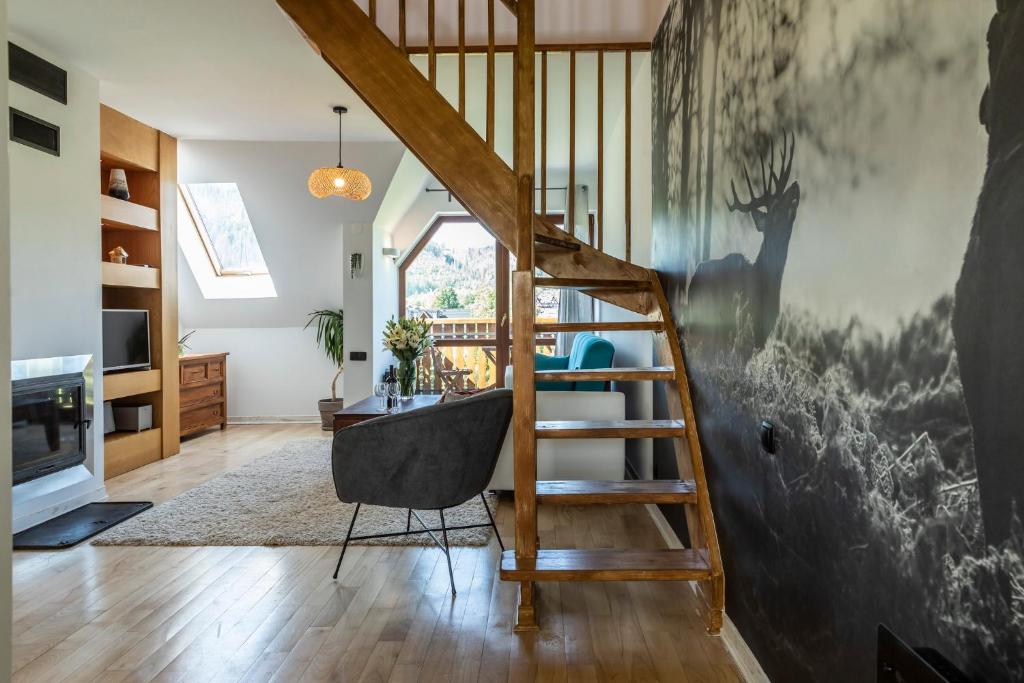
146 227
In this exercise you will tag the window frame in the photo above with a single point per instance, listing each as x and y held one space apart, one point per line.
204 236
503 303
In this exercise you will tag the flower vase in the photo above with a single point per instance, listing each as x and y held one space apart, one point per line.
407 378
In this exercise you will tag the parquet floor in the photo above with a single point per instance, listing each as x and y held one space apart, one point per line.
260 614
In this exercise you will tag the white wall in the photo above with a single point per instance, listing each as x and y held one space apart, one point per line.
359 295
274 373
55 266
5 376
275 369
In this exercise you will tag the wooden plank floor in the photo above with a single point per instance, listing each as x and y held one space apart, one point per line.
262 614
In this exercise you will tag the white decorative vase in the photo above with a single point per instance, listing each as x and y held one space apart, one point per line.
118 185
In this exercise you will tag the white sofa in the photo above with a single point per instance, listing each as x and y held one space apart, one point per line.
562 459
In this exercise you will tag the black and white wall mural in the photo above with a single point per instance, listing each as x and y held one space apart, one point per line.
839 222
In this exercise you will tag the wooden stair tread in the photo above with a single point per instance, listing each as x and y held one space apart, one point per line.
609 429
592 283
641 326
606 565
580 492
607 374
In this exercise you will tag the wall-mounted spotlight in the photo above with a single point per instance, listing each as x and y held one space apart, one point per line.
390 252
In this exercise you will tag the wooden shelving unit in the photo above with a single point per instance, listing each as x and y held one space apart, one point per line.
125 384
118 214
126 451
126 275
144 226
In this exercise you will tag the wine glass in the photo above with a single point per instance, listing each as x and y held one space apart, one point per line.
380 390
394 391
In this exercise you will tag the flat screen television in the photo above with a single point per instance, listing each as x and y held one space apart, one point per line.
125 339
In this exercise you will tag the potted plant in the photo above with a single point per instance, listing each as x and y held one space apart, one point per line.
330 336
407 339
183 343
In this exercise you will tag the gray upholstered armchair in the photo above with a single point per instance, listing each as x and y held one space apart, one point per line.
429 459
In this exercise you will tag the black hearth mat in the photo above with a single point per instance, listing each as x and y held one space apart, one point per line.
73 527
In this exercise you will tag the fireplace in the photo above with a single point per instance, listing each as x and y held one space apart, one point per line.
51 400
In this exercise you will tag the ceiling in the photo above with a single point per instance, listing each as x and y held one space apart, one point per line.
238 70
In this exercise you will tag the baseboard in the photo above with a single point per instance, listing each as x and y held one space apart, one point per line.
741 655
274 419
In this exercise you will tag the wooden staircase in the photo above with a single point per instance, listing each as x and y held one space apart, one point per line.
503 199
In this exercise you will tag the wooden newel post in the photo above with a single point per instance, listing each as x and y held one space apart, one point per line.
523 423
524 417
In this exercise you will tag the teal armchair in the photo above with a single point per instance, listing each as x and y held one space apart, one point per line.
588 352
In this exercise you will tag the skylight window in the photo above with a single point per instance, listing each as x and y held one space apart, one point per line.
223 223
219 243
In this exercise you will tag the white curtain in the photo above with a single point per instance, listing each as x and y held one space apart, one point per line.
574 307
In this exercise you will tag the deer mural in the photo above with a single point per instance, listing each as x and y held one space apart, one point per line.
988 320
729 294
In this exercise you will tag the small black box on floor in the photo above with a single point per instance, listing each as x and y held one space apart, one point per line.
73 527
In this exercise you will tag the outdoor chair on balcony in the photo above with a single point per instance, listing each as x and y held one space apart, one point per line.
452 378
428 459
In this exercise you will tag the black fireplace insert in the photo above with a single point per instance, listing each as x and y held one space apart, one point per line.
49 425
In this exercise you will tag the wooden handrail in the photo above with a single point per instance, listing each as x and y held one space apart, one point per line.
543 47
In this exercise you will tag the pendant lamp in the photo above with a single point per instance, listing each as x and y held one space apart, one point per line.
340 181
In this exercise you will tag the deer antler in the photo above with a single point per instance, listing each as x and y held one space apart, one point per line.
772 185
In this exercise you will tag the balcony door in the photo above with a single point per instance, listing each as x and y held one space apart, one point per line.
459 276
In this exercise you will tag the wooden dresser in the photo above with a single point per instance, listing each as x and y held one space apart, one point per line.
203 381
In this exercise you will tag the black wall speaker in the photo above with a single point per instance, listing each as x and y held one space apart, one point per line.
37 74
36 133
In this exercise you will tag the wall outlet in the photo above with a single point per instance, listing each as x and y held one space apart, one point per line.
768 436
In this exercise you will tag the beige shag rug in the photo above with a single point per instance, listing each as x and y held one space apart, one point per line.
284 498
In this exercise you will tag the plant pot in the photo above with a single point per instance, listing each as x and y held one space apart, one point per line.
328 407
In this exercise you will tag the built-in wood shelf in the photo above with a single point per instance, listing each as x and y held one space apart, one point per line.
124 275
121 215
123 384
125 451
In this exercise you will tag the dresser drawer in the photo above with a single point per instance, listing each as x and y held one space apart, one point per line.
194 373
215 369
202 417
202 394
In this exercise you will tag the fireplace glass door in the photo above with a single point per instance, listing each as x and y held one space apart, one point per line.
48 429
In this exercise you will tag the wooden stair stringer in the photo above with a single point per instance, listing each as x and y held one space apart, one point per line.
700 520
377 71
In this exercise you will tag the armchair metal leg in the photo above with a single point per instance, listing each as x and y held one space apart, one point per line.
447 552
493 525
408 520
344 546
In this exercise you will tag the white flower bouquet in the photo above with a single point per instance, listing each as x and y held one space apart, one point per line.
408 339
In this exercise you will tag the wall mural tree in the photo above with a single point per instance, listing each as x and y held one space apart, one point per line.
895 493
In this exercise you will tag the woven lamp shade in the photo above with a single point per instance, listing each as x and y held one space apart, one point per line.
341 182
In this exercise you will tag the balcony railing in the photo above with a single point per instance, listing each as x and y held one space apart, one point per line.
468 344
